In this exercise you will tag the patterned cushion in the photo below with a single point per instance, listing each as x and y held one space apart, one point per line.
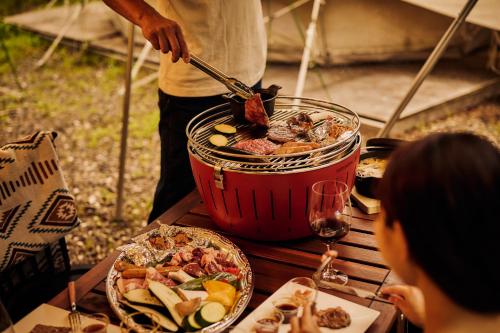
36 207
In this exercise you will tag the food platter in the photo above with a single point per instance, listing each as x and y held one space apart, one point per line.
168 247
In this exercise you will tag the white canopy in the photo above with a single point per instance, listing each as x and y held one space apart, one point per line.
486 13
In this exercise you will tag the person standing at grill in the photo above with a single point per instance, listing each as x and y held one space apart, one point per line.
228 34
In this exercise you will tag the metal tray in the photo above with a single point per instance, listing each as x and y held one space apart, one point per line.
216 240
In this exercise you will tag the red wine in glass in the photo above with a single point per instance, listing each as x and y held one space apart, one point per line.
329 219
330 229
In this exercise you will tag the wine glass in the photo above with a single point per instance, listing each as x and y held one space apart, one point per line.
329 217
303 290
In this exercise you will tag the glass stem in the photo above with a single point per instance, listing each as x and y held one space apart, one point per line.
329 268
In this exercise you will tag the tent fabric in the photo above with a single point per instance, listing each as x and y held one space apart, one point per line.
365 30
486 13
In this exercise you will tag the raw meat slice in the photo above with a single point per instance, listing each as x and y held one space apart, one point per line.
255 112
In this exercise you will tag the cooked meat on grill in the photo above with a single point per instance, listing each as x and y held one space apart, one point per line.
255 112
333 318
301 123
280 132
257 146
296 147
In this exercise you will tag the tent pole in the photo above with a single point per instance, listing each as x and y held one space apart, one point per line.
125 116
310 34
428 66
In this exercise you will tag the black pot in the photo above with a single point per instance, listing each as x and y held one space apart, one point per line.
378 148
237 103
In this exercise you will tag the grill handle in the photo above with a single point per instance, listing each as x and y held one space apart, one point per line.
234 85
218 177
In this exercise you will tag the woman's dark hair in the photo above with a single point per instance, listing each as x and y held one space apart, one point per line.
445 191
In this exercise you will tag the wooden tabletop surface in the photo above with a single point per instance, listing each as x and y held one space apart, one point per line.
272 263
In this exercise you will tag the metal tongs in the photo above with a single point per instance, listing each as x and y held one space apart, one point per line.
235 85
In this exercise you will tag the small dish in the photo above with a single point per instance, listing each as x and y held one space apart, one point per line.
376 148
269 323
287 306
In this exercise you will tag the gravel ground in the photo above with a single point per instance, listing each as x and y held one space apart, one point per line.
483 119
75 94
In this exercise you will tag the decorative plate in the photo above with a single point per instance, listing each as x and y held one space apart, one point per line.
200 237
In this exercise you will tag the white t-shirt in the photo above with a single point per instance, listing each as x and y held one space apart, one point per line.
227 34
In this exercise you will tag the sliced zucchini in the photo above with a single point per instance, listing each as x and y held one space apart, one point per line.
155 316
190 324
225 129
142 296
210 313
168 297
218 140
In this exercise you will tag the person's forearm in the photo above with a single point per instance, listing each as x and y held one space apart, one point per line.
133 10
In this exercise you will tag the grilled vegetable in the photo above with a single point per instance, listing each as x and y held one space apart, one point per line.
142 296
218 140
190 324
210 313
188 307
191 294
225 129
154 316
197 284
221 292
168 297
180 276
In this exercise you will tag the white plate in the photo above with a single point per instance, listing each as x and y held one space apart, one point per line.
47 314
361 316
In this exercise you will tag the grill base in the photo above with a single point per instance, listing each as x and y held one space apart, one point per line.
270 207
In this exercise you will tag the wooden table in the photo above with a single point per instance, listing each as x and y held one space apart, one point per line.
272 263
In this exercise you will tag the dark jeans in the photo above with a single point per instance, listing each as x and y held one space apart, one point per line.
176 178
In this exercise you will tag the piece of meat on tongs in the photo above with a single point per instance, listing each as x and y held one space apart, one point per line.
255 112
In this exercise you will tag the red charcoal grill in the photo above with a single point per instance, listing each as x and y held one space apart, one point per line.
266 197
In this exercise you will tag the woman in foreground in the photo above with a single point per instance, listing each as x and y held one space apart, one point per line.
439 230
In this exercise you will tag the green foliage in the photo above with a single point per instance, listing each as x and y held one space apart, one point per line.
11 7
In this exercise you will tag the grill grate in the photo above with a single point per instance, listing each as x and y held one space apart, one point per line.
201 128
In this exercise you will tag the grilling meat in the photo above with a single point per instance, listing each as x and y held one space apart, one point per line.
255 112
333 318
300 124
257 146
296 147
281 132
